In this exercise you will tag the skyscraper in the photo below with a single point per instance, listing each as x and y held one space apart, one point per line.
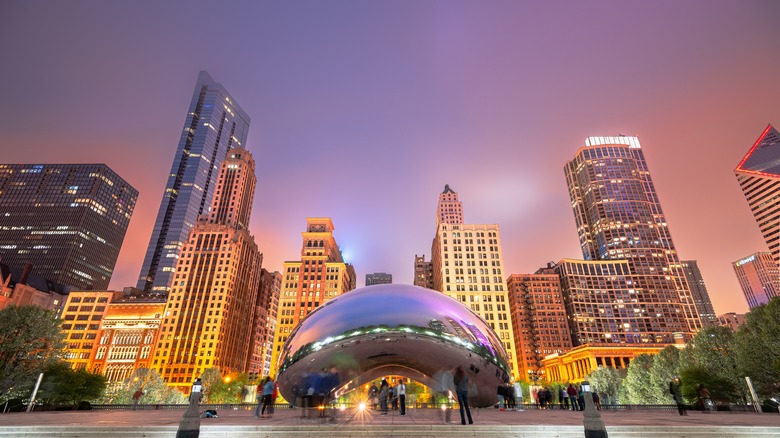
215 123
759 178
627 246
378 278
699 293
423 272
67 220
211 305
759 277
467 265
319 276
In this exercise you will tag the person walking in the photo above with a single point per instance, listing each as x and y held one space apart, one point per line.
674 389
518 394
268 390
400 392
462 390
259 396
384 391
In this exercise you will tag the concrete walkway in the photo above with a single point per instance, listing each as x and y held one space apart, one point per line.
418 423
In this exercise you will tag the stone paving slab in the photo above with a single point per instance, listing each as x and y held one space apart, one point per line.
419 423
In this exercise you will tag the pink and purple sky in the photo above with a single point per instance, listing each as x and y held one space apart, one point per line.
362 111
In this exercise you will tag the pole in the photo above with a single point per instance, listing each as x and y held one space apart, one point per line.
594 425
753 394
189 426
35 392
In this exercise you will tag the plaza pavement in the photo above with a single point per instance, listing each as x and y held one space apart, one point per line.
419 423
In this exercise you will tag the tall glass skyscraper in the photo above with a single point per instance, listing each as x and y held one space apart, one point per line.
67 220
759 178
619 218
215 123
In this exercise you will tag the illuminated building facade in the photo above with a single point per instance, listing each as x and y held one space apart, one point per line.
127 337
378 278
539 322
759 278
81 317
211 306
575 365
758 175
215 124
423 272
467 265
264 324
699 293
67 220
631 287
319 276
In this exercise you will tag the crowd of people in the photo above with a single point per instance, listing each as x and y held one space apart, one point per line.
386 397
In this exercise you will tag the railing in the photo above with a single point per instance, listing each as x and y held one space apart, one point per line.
247 406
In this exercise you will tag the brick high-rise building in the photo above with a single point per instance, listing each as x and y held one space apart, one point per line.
631 287
264 324
319 276
759 278
539 320
211 305
467 265
67 220
214 125
759 178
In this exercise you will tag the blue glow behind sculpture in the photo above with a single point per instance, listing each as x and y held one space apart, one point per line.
401 330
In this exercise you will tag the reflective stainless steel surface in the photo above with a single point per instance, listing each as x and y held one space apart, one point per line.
401 330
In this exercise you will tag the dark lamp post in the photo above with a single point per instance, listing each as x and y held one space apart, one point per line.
594 425
189 427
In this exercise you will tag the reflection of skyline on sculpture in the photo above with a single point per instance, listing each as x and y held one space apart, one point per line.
395 329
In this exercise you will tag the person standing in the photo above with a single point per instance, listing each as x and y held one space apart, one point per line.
674 389
462 390
563 398
500 393
400 392
572 396
137 397
384 391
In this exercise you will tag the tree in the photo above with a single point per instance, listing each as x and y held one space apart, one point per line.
637 381
757 348
63 385
607 382
154 388
228 389
664 369
30 341
711 352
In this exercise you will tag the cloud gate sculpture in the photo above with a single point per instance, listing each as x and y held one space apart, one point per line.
398 330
